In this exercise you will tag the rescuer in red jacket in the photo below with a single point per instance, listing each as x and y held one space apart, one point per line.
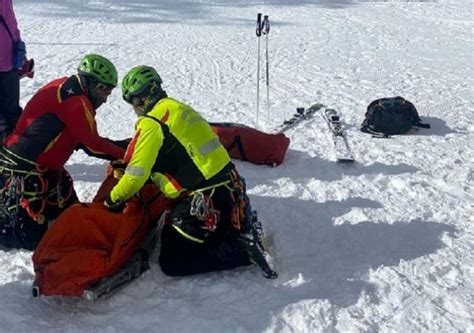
59 119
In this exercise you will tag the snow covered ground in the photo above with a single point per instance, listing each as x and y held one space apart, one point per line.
383 245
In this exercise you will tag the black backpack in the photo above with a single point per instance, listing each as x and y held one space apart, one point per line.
389 116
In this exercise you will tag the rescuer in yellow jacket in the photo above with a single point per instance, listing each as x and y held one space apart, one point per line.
212 226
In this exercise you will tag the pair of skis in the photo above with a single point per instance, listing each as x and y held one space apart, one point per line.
332 119
341 146
300 115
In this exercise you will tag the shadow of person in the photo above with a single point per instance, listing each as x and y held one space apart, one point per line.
320 260
317 260
300 166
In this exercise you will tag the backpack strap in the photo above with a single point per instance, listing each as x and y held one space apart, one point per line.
421 125
417 122
379 135
373 103
238 142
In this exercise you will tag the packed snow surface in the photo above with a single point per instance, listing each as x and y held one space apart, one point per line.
383 245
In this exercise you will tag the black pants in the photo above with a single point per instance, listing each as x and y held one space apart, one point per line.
220 249
9 101
18 229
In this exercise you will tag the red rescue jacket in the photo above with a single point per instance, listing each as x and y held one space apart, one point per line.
58 119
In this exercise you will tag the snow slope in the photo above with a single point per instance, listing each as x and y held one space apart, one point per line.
383 245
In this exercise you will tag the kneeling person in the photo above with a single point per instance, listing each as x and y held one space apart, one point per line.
60 118
211 226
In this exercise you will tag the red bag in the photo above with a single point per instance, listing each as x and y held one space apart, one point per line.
87 242
248 144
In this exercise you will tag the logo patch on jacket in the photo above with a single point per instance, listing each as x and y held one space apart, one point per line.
71 87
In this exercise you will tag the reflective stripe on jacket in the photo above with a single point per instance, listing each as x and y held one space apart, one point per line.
176 148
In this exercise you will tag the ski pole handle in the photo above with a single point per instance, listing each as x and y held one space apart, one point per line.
258 31
266 25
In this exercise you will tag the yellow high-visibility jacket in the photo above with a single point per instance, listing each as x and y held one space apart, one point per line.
176 148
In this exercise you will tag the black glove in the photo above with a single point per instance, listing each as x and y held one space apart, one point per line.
114 207
122 143
118 164
118 167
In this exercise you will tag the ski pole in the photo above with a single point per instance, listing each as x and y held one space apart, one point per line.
266 31
258 31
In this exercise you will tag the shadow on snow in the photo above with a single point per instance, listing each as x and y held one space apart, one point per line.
299 166
333 259
438 128
317 260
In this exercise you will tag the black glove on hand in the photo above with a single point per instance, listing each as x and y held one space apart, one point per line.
122 143
114 207
118 167
118 164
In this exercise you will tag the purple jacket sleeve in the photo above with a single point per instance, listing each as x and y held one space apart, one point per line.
9 16
6 11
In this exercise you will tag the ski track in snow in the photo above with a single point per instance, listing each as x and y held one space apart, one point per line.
383 245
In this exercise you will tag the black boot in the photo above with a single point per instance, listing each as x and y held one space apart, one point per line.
253 241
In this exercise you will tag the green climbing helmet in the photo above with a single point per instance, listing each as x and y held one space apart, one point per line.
137 80
100 68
